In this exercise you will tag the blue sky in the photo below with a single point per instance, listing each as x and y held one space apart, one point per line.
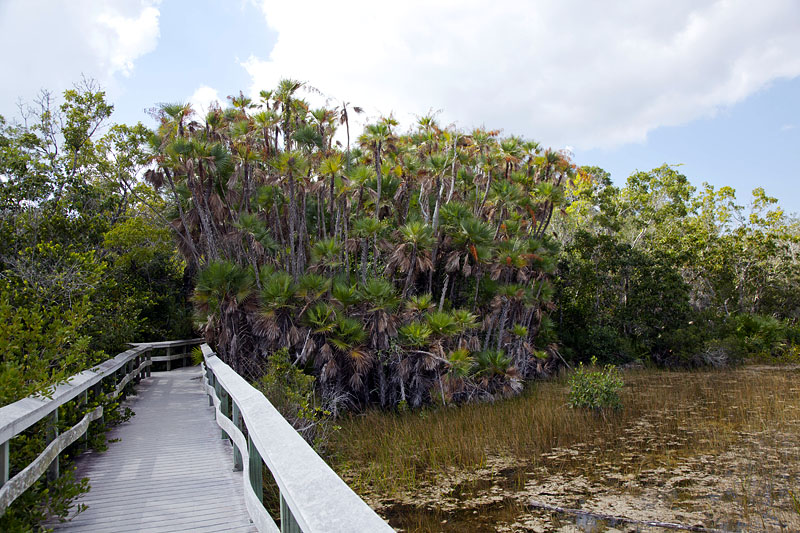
755 143
711 85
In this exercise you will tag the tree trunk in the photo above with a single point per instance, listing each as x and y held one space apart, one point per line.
380 180
410 273
292 229
364 248
444 290
502 325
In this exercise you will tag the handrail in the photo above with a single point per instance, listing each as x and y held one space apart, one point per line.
313 498
22 414
169 346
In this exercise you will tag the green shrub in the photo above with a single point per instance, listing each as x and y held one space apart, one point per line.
293 394
596 389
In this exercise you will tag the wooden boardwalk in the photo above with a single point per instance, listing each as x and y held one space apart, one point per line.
170 471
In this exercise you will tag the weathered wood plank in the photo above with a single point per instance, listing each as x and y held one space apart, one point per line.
20 415
28 476
168 344
169 472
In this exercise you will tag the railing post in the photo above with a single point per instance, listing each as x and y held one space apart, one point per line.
288 522
4 464
169 362
210 381
149 367
254 470
85 437
97 391
237 454
51 434
223 408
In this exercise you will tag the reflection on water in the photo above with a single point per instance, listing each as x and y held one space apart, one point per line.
723 454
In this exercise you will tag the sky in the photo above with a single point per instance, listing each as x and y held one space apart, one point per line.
710 85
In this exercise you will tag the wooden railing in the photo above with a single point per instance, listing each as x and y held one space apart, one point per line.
15 418
313 499
173 350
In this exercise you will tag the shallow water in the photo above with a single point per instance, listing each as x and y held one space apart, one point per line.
723 452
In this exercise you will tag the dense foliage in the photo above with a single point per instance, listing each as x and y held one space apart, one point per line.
399 269
657 271
420 266
409 268
595 388
84 269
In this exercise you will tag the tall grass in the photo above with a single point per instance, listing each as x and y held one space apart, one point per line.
663 415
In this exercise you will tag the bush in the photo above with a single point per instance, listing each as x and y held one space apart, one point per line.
292 393
595 389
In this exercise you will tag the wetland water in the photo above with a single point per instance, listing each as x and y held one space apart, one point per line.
714 449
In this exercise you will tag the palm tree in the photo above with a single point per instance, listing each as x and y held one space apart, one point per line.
366 229
292 164
374 138
309 221
222 294
283 97
411 256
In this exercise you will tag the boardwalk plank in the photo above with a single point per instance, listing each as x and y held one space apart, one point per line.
169 472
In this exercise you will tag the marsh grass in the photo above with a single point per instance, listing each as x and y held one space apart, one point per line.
666 419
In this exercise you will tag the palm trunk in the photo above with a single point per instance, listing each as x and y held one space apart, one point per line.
485 194
205 218
302 239
292 232
364 247
502 326
444 290
410 274
187 236
440 185
379 178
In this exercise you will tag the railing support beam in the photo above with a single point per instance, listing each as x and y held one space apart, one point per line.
223 408
237 454
4 464
255 470
288 522
52 433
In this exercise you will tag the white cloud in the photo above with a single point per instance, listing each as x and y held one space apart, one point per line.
51 44
202 99
561 71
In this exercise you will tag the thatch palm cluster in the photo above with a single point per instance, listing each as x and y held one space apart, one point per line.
408 268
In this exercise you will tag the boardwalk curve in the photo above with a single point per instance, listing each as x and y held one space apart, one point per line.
170 471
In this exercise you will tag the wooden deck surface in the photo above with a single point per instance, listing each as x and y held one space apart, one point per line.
170 471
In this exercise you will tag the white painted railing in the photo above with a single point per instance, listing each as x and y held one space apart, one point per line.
15 418
174 350
313 498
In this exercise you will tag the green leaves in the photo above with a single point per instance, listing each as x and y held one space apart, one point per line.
415 334
277 292
380 294
223 285
595 389
442 323
417 233
492 363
